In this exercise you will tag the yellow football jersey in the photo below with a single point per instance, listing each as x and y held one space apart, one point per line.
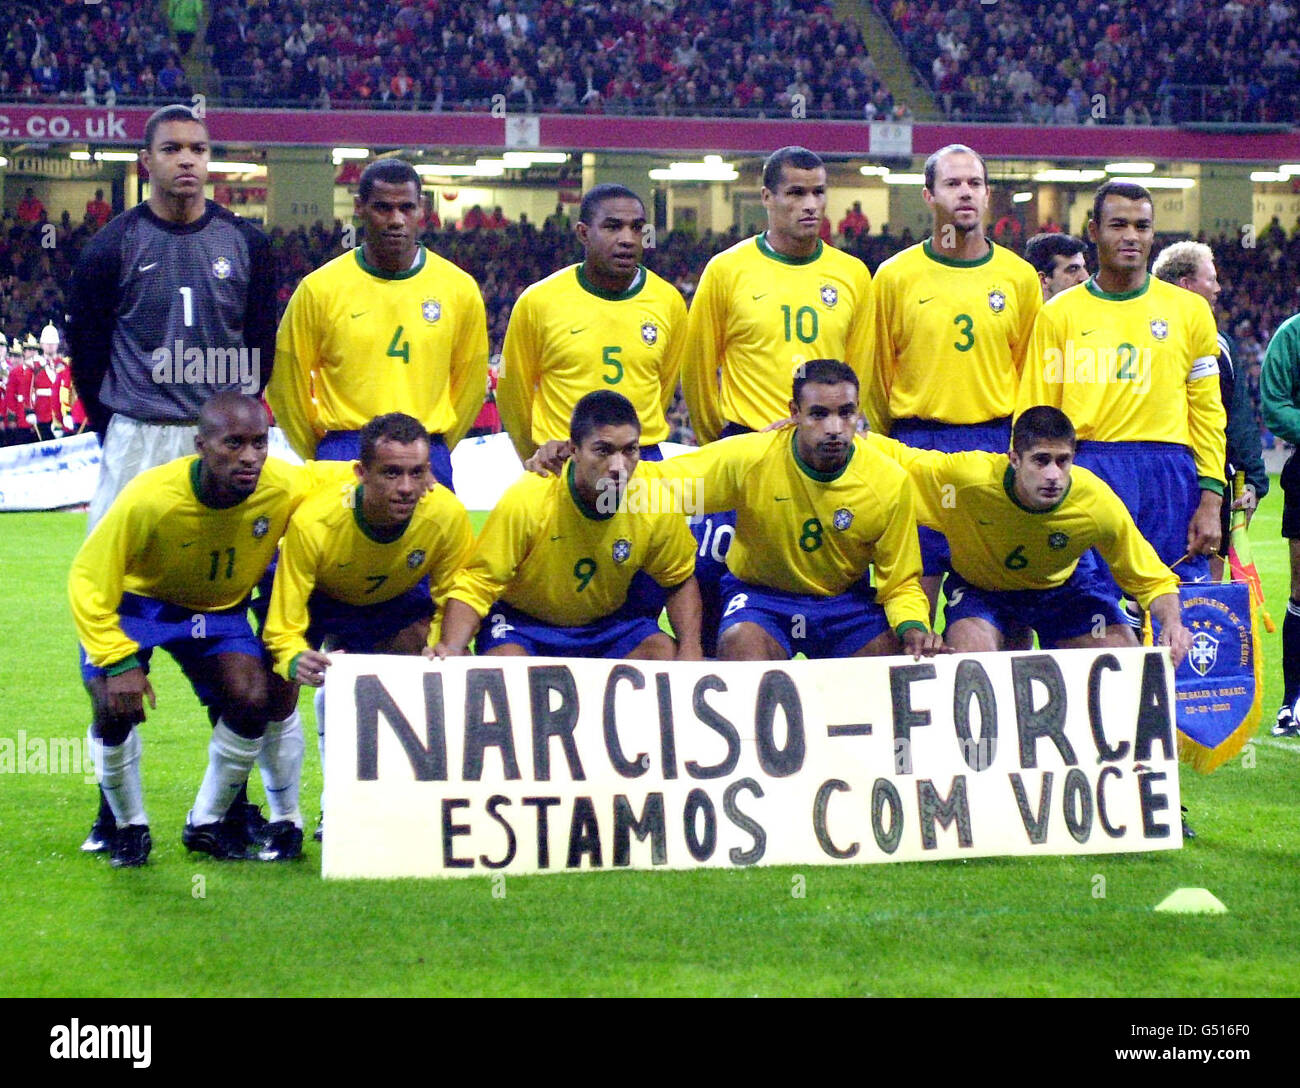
329 548
568 338
950 336
802 531
756 316
999 544
159 540
356 343
545 552
1140 367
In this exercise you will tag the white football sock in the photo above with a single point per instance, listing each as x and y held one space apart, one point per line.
230 758
118 769
280 761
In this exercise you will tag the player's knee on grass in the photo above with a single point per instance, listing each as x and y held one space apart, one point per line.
885 644
410 640
657 647
749 642
973 636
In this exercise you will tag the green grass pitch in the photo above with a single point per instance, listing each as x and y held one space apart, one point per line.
71 926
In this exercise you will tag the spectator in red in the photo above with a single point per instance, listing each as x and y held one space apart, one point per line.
99 210
30 208
855 224
18 393
474 219
497 220
488 421
48 380
1007 231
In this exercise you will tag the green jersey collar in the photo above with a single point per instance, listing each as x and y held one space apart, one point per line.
952 262
585 510
812 473
634 288
421 254
767 251
1097 292
385 535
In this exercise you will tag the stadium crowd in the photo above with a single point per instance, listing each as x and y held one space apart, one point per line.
1150 63
1258 283
101 54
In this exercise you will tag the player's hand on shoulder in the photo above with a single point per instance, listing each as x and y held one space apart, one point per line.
550 457
921 644
779 424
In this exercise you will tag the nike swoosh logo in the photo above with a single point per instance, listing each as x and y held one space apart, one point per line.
574 332
1087 332
983 522
763 295
145 267
347 564
187 544
557 538
923 301
781 498
361 314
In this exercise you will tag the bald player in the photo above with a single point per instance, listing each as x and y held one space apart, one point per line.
953 317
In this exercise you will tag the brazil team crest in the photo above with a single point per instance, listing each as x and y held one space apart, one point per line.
1159 328
415 558
261 527
997 301
222 268
843 518
622 550
830 296
650 333
1058 540
431 310
1203 654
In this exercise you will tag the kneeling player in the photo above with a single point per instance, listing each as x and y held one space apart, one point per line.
362 569
1020 526
556 556
172 565
817 510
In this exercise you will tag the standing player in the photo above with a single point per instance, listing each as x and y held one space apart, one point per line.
818 510
1133 362
386 327
172 302
1191 266
764 307
364 571
953 317
607 323
171 564
1058 260
1021 526
1279 395
556 556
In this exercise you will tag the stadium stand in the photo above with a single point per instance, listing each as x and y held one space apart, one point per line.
102 54
1164 63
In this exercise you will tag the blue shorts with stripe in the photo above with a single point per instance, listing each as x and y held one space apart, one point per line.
1081 605
817 627
929 434
346 446
187 635
1158 485
362 628
614 636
